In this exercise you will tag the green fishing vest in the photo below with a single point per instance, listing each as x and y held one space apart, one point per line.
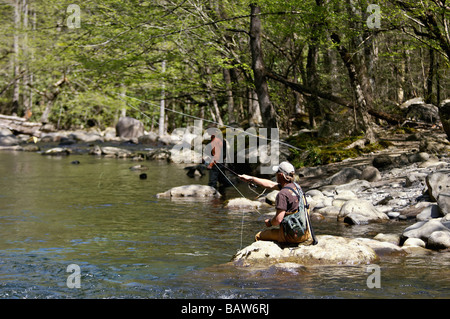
295 224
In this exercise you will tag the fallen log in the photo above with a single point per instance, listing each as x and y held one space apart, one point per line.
19 125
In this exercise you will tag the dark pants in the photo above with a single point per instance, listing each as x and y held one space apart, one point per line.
216 176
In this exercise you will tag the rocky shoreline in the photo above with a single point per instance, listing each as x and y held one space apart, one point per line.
418 192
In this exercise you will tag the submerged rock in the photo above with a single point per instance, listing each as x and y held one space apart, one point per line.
331 250
190 191
57 151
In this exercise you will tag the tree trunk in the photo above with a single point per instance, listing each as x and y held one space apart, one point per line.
361 102
429 80
215 106
254 113
49 98
16 92
312 81
260 80
162 126
229 91
27 76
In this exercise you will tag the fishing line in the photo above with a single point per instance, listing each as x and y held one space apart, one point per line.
214 122
243 212
201 119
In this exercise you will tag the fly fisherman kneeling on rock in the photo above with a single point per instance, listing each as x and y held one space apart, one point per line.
291 208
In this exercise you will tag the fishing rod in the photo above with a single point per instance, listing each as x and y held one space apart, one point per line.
250 184
120 96
234 173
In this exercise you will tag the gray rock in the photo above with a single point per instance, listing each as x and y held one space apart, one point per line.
355 186
381 248
438 182
419 157
270 198
185 155
358 212
130 128
330 250
242 203
434 145
86 137
190 191
422 112
371 174
159 154
444 113
110 151
345 176
384 161
414 242
432 211
443 201
57 151
439 240
5 131
390 238
9 140
424 229
149 138
329 211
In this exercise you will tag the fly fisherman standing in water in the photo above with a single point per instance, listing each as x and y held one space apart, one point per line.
291 208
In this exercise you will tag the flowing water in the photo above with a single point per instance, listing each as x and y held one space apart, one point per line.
127 243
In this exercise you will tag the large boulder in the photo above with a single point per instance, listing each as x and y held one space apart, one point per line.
443 201
359 212
424 229
130 128
190 191
344 176
437 183
422 112
331 250
444 113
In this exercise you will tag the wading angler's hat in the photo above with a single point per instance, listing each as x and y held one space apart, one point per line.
284 167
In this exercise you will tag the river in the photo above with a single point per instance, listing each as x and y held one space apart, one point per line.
100 216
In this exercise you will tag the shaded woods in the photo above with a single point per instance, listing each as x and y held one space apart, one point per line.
287 64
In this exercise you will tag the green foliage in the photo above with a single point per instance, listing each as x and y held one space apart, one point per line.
120 46
319 151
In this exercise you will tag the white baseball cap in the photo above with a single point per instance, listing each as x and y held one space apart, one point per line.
284 167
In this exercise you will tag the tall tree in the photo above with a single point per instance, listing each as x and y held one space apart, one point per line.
259 73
